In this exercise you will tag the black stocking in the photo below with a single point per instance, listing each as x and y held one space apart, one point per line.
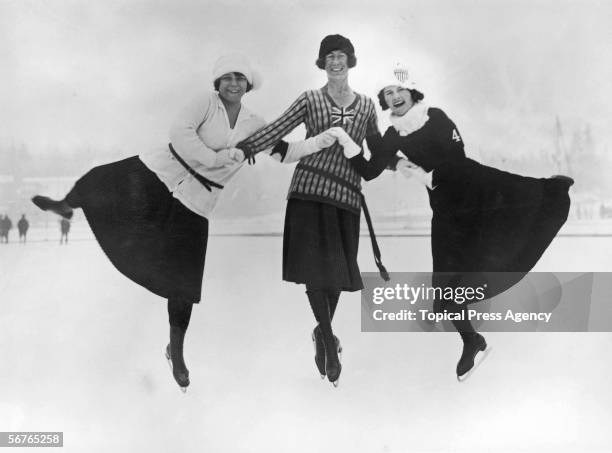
179 314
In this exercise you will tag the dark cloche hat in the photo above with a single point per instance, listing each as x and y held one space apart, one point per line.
336 42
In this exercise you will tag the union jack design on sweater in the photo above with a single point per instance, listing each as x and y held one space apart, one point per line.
342 116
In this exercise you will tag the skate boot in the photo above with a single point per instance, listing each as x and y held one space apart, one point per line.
180 376
319 347
473 343
333 367
60 208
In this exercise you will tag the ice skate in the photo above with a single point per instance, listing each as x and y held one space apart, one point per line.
319 347
333 367
472 345
181 378
338 348
60 208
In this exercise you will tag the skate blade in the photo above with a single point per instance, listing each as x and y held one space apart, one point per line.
477 363
336 383
168 359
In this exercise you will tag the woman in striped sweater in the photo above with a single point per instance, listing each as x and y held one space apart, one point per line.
321 233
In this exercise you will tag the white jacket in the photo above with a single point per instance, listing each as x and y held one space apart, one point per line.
200 131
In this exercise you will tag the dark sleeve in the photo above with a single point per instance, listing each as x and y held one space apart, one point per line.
436 143
281 149
382 156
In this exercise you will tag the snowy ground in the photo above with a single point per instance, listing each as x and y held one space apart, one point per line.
81 352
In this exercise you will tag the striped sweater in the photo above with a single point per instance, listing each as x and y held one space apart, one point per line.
327 176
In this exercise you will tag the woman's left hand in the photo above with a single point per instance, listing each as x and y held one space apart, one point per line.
236 154
407 168
229 156
404 167
351 149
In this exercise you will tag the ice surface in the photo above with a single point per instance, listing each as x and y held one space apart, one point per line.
81 352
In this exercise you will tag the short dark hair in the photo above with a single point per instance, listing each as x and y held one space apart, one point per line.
217 82
416 96
352 60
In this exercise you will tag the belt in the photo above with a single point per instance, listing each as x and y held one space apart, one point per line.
202 179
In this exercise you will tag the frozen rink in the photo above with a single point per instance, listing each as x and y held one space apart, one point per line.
82 353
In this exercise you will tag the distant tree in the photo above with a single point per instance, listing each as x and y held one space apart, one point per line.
560 154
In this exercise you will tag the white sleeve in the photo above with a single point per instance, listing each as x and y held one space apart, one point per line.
184 136
296 151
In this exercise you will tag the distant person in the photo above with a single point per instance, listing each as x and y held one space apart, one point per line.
7 225
2 229
65 229
22 226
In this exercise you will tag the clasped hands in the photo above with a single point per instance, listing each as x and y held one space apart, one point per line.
229 156
351 149
325 139
233 156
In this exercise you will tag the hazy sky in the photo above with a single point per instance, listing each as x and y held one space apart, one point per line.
114 73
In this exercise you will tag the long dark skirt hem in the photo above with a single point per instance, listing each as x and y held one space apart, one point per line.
146 233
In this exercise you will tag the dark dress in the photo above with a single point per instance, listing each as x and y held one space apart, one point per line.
148 235
320 244
484 219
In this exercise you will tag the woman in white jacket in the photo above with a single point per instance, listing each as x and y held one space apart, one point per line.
150 213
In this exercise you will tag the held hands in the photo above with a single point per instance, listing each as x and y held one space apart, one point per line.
325 139
237 154
406 168
229 156
351 149
411 170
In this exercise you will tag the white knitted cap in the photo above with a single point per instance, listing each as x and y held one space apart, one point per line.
236 63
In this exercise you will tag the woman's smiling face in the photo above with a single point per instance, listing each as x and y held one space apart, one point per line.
232 86
398 99
336 64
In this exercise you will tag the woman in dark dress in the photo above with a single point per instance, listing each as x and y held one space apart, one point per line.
484 219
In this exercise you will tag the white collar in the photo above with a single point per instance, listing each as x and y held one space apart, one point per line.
243 114
412 120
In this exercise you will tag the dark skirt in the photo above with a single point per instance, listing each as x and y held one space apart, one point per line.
148 235
487 220
320 246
